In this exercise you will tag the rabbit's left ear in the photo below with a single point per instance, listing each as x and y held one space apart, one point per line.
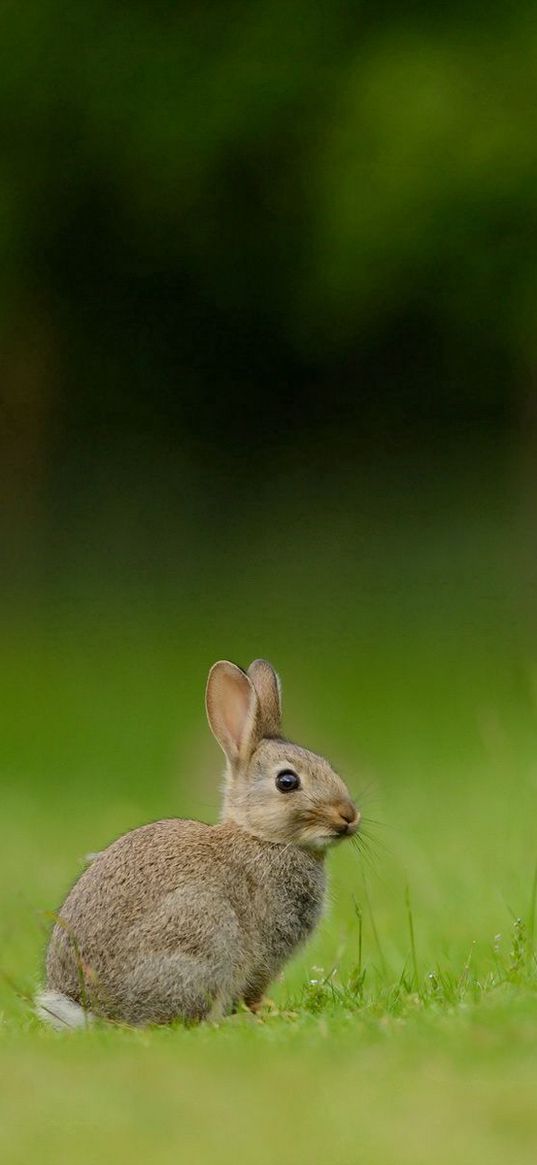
233 710
269 693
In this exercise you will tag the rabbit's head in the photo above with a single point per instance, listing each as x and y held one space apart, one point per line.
274 789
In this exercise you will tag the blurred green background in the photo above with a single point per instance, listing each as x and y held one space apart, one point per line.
268 305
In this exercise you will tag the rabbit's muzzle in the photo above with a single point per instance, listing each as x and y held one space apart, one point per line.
345 819
333 822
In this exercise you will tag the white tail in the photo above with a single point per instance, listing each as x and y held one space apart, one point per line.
62 1013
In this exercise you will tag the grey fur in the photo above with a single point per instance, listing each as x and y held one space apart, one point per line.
178 919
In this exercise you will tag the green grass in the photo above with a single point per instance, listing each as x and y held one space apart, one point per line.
407 1031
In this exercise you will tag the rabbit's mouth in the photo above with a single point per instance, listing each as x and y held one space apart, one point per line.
339 835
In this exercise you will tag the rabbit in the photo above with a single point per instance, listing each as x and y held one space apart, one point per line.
179 920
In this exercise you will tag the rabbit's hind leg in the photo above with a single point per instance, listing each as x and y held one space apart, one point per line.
161 988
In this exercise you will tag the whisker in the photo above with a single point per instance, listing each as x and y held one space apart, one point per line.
366 845
377 842
363 845
365 793
375 821
364 856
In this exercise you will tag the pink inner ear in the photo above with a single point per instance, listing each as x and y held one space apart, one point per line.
236 707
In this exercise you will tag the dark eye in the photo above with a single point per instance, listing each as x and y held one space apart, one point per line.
287 780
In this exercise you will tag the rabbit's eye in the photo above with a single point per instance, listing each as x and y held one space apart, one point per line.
287 780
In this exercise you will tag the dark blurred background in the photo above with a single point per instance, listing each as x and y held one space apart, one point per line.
268 290
236 235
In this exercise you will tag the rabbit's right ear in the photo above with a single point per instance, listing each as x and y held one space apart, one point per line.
232 710
269 693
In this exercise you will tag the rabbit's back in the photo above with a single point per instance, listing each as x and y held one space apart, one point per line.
155 890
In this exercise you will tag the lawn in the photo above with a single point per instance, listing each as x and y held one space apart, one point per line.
407 1031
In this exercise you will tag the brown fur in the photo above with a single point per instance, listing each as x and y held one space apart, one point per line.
182 919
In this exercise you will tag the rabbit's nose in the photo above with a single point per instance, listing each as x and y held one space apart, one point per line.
349 818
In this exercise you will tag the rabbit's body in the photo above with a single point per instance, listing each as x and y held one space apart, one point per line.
184 919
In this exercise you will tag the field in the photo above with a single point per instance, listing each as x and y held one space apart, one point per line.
404 632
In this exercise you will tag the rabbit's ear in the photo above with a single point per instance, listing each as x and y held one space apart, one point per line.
269 693
232 710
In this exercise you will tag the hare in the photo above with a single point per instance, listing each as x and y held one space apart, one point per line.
183 920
